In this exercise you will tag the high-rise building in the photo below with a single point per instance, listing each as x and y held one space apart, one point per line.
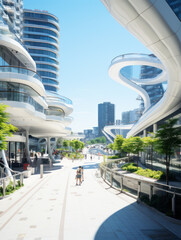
13 10
41 37
106 115
130 117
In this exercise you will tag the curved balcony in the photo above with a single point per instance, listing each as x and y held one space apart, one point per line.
20 97
21 70
23 76
55 100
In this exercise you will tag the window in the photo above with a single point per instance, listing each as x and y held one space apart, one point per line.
40 30
40 23
40 44
43 52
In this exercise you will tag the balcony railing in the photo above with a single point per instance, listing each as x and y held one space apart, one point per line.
135 55
57 98
20 70
20 97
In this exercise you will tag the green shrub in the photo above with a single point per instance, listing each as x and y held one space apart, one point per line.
114 157
131 167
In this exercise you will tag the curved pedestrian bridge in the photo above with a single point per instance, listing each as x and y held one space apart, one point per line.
54 208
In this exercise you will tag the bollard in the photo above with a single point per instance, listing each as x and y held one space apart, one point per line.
173 204
14 182
139 189
21 179
41 170
111 177
151 192
4 188
121 183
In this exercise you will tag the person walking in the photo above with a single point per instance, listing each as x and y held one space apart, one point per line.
78 176
82 174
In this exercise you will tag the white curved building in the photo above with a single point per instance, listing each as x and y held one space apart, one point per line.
32 109
157 25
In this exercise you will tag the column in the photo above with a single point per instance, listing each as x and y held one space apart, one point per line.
155 127
27 146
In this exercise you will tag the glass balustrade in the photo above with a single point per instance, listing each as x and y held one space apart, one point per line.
135 55
57 98
20 97
20 70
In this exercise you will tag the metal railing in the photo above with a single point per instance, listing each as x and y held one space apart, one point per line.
4 182
14 178
138 187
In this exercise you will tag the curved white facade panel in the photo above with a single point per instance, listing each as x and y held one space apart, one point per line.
19 51
158 28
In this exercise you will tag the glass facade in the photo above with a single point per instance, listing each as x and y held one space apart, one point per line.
40 16
47 24
106 115
40 30
50 88
40 44
44 59
46 38
20 93
42 52
176 7
37 38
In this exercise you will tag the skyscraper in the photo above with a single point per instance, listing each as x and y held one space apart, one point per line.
40 35
106 115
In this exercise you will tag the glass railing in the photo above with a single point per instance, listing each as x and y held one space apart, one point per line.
55 97
20 97
135 55
20 70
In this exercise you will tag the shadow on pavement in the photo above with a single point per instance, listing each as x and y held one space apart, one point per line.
129 223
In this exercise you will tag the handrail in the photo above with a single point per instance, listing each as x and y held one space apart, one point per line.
138 55
145 181
22 70
56 97
137 187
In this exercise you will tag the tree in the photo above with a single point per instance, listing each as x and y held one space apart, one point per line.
66 143
118 141
126 146
76 144
111 146
168 140
6 129
150 141
133 145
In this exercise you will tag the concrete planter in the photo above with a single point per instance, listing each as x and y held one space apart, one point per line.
32 169
27 173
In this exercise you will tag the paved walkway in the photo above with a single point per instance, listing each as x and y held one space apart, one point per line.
54 208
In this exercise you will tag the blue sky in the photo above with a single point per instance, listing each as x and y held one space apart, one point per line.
89 39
